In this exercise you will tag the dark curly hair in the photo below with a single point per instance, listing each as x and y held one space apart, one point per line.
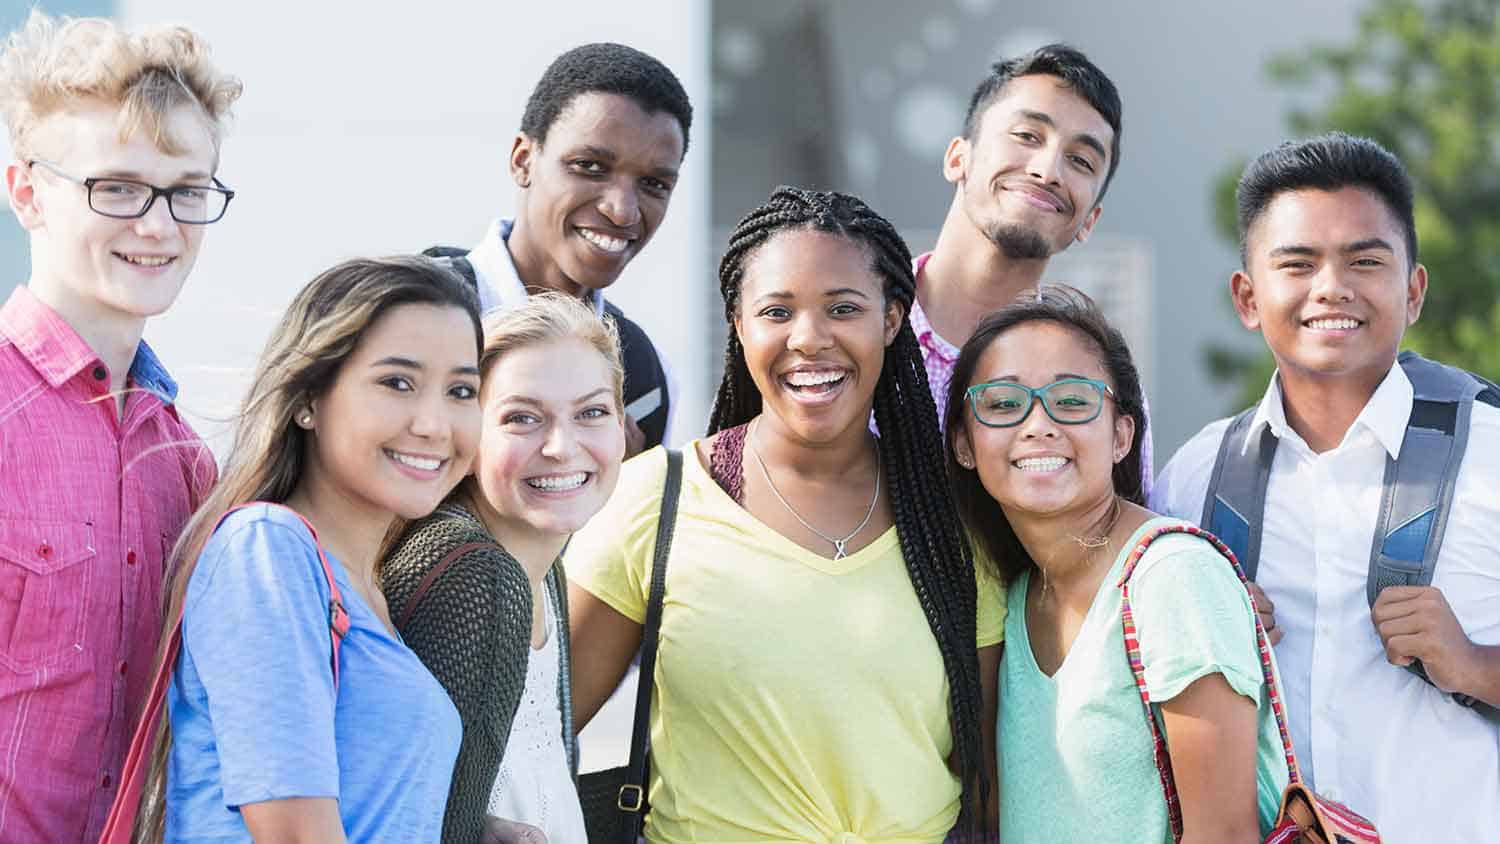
936 553
1074 310
605 68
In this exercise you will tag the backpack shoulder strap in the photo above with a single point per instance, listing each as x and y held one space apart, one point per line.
1236 499
1418 491
455 259
1418 488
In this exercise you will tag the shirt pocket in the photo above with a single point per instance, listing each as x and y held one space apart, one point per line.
45 571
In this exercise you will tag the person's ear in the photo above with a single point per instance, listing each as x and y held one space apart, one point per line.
963 450
24 201
1242 294
1089 221
894 313
1416 293
522 159
956 160
1124 435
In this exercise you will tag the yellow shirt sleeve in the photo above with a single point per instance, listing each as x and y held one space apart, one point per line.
611 557
991 602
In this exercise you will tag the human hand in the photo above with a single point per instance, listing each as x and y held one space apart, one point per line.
501 831
1267 612
1416 622
635 438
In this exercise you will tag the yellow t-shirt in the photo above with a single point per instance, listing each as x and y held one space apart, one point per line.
797 698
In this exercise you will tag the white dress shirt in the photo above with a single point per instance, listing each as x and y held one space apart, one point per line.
500 286
1367 733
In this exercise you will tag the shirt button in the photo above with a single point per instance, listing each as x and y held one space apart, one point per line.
130 558
100 374
44 550
104 781
123 666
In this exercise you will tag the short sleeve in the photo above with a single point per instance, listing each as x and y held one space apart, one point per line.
991 603
611 557
256 627
1194 618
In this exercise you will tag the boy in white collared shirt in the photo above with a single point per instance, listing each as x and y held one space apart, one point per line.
1330 278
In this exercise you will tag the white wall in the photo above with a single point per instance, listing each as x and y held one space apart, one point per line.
373 128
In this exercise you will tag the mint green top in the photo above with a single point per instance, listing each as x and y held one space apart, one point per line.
1075 751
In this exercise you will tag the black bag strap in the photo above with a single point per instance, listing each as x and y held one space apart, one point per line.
633 793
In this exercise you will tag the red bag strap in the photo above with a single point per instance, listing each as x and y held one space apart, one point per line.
121 822
1138 668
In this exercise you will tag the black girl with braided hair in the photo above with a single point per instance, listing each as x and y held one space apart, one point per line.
826 658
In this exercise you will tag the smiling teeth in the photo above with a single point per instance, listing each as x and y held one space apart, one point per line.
813 379
147 260
1041 464
603 241
427 464
557 483
1332 324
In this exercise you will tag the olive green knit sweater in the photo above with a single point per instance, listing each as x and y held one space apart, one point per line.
472 629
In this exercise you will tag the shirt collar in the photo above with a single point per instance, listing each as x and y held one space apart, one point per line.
1385 415
44 338
148 373
500 285
920 326
56 351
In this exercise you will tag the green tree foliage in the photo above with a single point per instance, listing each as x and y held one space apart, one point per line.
1423 79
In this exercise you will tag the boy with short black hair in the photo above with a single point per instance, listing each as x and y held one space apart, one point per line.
594 163
115 138
1331 280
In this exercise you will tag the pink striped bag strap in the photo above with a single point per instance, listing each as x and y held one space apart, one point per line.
1138 668
120 824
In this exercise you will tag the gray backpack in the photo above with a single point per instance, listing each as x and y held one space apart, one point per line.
1417 495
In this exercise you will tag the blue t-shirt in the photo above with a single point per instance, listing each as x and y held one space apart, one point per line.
253 709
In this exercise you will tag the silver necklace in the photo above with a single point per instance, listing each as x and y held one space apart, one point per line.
839 545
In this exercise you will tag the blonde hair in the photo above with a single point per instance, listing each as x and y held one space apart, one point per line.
553 316
50 63
319 332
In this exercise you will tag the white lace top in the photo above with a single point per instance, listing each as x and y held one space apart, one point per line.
534 785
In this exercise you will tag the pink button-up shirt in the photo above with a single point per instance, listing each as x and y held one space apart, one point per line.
940 356
90 504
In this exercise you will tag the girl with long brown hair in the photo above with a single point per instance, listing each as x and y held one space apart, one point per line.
363 413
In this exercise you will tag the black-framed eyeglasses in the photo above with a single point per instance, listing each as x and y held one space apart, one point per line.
1069 401
127 199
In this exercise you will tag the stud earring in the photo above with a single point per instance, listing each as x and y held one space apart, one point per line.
305 418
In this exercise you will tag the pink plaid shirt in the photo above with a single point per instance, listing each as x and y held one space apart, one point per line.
90 504
940 356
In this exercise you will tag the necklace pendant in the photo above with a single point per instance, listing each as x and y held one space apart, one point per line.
839 553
